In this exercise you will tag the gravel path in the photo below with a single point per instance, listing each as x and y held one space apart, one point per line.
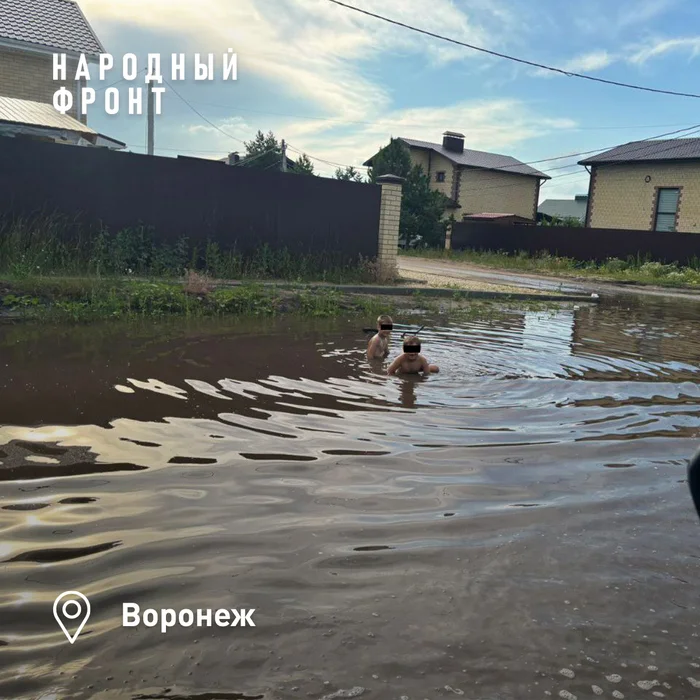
412 277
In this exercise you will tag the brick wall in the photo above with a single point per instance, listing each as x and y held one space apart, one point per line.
490 191
433 163
28 76
389 223
621 197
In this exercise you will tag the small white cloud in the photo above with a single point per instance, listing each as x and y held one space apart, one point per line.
643 11
590 61
585 63
660 47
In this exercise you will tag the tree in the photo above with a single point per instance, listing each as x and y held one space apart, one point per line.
303 166
571 221
394 159
260 145
422 207
349 174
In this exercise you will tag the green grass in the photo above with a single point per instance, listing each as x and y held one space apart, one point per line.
632 270
57 246
90 299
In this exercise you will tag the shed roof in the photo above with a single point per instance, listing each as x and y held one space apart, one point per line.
50 24
645 151
39 114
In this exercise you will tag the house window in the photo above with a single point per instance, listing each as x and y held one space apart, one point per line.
667 208
440 177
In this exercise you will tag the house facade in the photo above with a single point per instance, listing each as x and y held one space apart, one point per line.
477 182
646 185
30 34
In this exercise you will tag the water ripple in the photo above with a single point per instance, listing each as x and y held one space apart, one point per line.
516 525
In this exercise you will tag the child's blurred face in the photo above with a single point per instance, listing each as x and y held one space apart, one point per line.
384 329
413 356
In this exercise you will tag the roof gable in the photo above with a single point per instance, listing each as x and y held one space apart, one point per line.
645 151
57 25
479 159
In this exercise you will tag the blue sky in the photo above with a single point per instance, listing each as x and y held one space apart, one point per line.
337 84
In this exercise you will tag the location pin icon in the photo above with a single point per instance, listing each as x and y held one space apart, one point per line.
71 610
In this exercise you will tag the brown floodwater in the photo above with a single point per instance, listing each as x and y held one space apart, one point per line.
516 526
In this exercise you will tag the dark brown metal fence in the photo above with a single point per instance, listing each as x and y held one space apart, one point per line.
231 205
579 243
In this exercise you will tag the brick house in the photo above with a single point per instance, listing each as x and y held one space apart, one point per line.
646 186
477 182
31 31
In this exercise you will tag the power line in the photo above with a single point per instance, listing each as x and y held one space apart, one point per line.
506 168
569 74
321 160
202 116
415 125
556 177
328 162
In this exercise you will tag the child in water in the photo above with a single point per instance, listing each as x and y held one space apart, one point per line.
411 361
378 346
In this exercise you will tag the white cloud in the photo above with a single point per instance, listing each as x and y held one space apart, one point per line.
498 125
585 63
642 11
632 54
664 46
594 60
312 47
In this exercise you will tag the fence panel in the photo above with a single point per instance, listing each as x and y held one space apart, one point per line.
232 205
577 242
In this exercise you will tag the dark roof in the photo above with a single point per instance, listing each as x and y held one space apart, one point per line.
644 151
477 159
50 24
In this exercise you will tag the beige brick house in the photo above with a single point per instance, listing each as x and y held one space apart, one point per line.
31 31
646 186
477 182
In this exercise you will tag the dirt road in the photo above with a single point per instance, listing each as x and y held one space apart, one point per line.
465 274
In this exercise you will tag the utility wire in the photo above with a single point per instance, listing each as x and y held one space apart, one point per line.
479 189
412 125
569 74
503 168
202 116
506 168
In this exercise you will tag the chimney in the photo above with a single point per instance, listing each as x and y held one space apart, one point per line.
453 141
233 158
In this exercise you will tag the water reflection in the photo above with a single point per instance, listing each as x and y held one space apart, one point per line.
514 526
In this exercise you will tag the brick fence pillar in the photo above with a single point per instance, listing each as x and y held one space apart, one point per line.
389 220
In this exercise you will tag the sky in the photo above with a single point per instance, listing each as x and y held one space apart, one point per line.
337 84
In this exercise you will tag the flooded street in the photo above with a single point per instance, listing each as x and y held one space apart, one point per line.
516 526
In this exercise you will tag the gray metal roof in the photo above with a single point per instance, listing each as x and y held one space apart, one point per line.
479 159
51 24
643 151
39 114
563 208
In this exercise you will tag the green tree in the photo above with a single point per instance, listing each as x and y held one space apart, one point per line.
261 144
422 207
394 159
571 221
348 173
302 166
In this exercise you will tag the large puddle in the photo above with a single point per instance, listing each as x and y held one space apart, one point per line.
517 526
